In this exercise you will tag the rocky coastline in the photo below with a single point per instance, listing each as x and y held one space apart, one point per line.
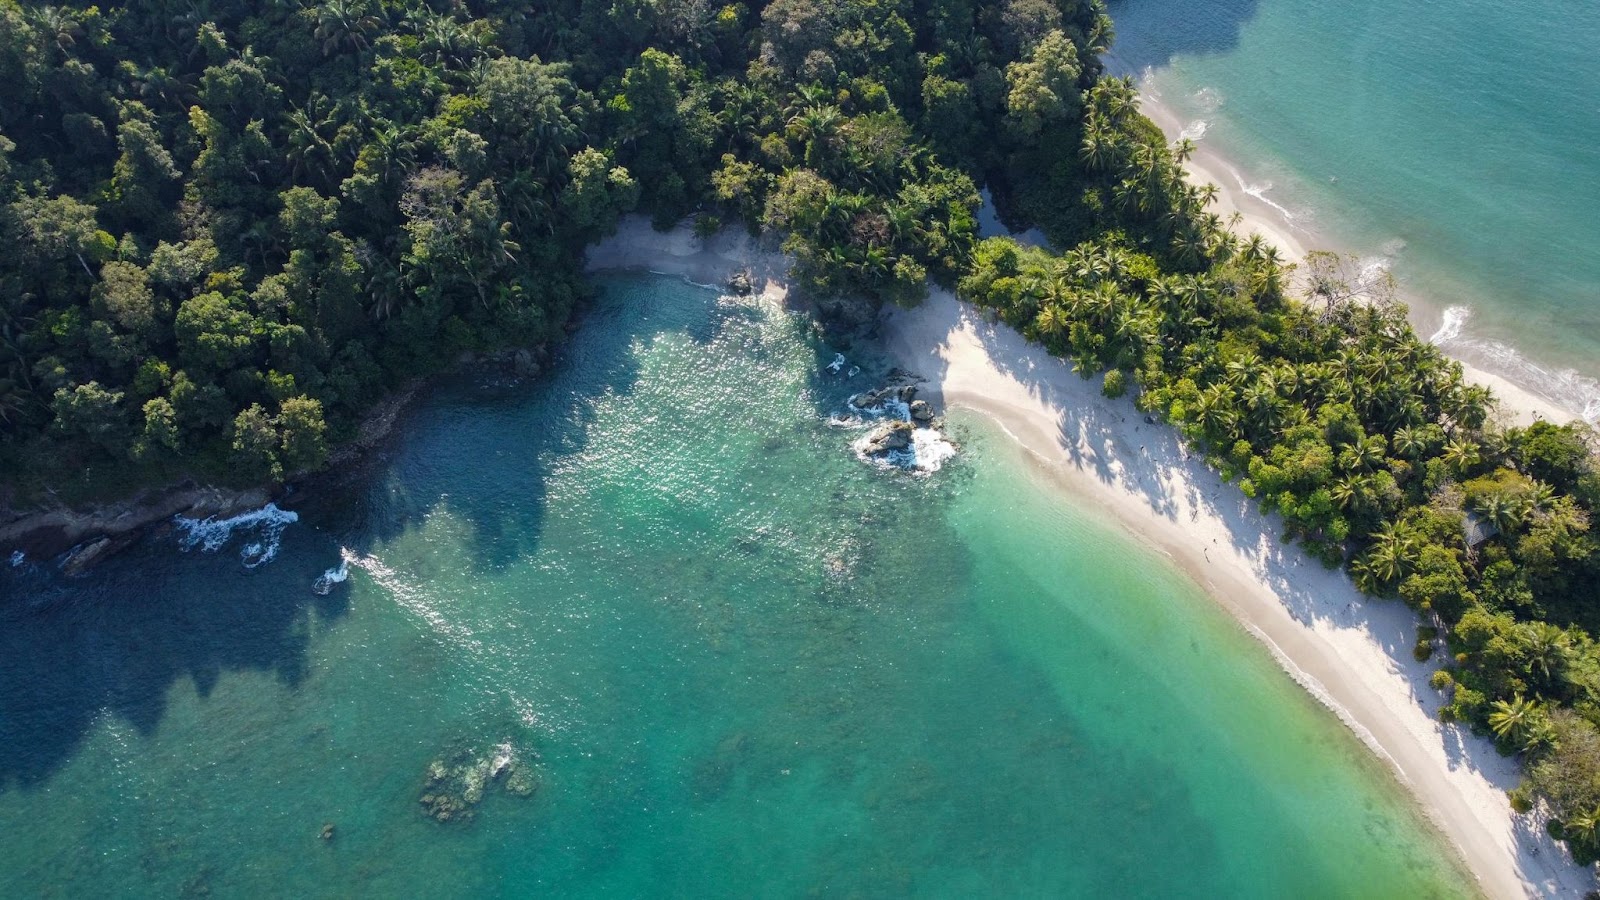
76 539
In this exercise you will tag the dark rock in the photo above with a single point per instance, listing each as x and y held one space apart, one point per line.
888 437
740 283
847 315
84 556
921 411
906 393
523 364
866 399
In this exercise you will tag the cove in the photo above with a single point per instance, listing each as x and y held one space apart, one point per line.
729 657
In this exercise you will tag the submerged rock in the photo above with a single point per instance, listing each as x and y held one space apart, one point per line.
327 831
521 782
456 783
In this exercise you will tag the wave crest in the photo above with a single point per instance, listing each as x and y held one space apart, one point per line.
212 534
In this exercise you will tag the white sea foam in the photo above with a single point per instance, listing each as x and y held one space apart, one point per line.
1567 387
212 534
1259 191
1195 130
928 452
929 448
18 558
1455 318
1208 99
336 575
838 363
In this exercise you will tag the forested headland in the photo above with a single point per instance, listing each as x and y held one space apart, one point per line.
231 228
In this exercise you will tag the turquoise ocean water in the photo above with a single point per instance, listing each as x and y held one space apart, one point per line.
1460 141
733 660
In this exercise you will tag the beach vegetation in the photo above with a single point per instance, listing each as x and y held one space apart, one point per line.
232 231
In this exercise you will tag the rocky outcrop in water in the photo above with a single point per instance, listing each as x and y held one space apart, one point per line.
457 782
905 434
888 437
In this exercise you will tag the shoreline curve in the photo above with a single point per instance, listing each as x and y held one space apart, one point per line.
1351 652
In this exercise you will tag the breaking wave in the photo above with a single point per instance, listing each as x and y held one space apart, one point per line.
927 453
1567 387
212 534
336 575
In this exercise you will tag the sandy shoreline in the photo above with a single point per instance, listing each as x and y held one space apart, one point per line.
1352 652
1520 404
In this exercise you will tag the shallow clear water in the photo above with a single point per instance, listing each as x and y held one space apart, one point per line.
737 660
1460 139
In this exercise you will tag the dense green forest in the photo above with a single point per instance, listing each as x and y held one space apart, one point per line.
232 227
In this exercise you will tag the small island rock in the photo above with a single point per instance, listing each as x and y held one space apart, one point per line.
888 437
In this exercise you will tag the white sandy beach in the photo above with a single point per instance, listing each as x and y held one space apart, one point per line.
1352 652
1520 405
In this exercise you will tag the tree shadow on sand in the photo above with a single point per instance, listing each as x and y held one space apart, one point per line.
1176 484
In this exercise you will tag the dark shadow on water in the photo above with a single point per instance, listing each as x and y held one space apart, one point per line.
1149 33
116 640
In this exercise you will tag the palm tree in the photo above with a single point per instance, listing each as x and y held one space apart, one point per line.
1052 320
1190 245
1214 410
1461 454
1510 720
1390 558
1243 369
445 42
1545 647
1366 455
816 126
1502 510
344 23
1097 39
60 27
1410 443
1346 490
1540 499
1582 828
1095 151
310 154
